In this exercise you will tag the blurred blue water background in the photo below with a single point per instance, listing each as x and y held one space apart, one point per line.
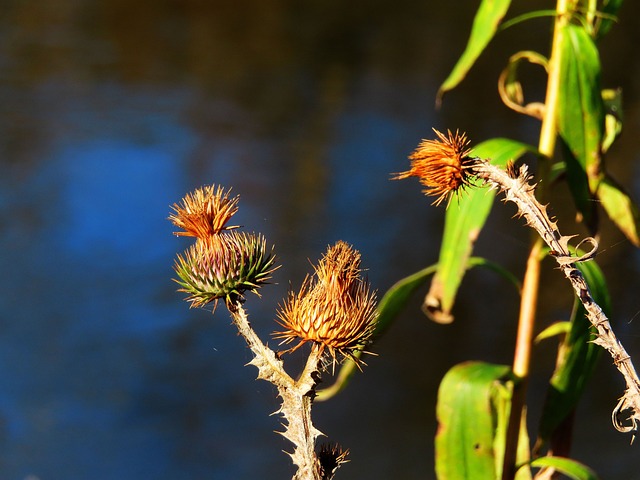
111 110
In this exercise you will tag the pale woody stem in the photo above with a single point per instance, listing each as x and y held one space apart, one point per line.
297 396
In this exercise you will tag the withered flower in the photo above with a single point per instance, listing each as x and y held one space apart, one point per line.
334 308
330 458
224 266
205 212
441 165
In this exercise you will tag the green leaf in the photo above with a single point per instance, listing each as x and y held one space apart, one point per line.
613 118
345 374
607 17
577 356
581 116
497 268
621 208
463 222
469 409
557 328
394 300
389 306
567 466
485 25
527 16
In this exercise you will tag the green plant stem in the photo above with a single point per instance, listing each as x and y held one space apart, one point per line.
526 320
522 357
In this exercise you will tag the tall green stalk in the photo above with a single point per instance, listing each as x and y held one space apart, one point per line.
531 283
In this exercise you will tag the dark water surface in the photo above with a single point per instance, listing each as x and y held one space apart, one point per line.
111 110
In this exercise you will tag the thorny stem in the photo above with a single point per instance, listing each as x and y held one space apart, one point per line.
517 190
297 395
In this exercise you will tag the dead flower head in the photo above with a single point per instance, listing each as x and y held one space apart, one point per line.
441 165
224 266
334 308
330 458
205 212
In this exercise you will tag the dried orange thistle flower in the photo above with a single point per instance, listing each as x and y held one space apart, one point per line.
205 212
444 166
334 308
441 165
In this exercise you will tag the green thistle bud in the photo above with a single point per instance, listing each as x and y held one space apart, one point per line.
224 266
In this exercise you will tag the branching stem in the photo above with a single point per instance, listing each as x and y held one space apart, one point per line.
297 395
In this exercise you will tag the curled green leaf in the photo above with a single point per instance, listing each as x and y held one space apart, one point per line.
510 88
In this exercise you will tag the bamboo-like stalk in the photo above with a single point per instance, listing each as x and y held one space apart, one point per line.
528 305
522 357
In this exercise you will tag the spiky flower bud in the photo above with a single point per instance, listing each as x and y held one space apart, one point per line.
441 165
205 212
224 266
334 308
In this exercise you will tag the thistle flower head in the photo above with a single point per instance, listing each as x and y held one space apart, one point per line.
334 308
224 266
205 212
441 165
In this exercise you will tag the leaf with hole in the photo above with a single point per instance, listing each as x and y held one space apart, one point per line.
472 414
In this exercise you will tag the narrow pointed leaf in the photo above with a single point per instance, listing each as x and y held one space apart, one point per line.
389 306
581 118
394 300
348 369
526 16
485 25
555 329
607 17
613 117
463 223
577 358
502 395
567 466
621 208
